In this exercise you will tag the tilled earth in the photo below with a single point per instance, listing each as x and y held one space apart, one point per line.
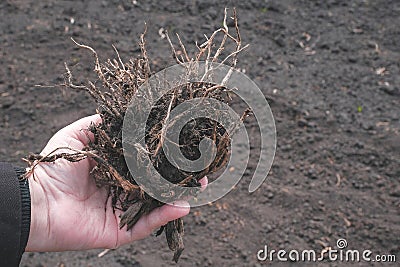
330 71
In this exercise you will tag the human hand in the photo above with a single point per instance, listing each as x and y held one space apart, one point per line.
68 210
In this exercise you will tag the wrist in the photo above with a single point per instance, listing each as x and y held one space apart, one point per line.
39 213
25 207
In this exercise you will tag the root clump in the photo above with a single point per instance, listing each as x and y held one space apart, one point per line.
119 83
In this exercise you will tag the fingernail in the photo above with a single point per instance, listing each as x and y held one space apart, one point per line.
180 203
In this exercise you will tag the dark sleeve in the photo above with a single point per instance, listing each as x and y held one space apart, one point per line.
15 214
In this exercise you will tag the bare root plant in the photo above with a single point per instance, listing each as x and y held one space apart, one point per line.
118 83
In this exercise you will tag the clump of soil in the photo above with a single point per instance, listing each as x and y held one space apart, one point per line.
119 84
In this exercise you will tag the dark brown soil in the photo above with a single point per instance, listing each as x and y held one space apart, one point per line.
330 71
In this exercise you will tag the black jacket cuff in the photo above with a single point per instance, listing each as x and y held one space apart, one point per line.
25 208
15 205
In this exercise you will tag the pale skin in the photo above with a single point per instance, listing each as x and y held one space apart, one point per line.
68 210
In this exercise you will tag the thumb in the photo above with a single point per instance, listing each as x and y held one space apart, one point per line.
75 135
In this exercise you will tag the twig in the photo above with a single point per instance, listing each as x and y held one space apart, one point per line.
338 179
119 58
69 79
173 48
162 134
79 155
142 45
104 252
183 48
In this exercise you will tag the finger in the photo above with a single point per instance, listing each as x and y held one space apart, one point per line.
204 182
154 220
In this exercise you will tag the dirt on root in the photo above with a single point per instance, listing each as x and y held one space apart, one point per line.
330 71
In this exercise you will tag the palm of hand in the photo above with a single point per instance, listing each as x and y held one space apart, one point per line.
69 212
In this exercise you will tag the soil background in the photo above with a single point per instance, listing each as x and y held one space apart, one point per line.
330 71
